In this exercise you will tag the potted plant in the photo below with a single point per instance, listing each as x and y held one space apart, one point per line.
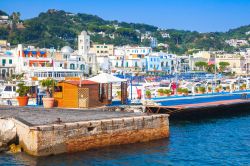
202 90
220 87
209 89
233 87
148 94
185 91
217 89
48 101
119 94
196 89
22 91
179 91
160 92
167 92
243 87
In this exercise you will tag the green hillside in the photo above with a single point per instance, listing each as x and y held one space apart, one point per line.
58 28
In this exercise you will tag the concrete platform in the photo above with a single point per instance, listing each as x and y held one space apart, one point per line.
40 133
201 110
34 116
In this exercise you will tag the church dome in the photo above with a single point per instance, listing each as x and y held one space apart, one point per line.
67 50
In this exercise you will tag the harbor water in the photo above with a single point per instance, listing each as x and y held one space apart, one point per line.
223 140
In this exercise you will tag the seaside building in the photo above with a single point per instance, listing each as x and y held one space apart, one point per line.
7 65
68 59
168 62
102 49
103 52
130 59
153 63
153 42
237 62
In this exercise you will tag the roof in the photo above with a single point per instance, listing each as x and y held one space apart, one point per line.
67 50
106 78
83 82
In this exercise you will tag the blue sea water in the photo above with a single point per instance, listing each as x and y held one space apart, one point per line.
215 141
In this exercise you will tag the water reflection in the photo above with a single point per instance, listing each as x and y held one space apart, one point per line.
121 154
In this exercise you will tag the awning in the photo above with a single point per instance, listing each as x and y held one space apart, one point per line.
106 78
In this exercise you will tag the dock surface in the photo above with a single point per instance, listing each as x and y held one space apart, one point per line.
34 116
208 104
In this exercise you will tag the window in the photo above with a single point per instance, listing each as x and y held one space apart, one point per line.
58 88
97 46
136 64
82 67
10 61
105 46
8 88
72 66
3 62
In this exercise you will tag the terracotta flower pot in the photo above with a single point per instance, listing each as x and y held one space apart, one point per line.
23 100
160 94
48 102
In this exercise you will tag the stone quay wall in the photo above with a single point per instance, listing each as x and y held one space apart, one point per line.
79 136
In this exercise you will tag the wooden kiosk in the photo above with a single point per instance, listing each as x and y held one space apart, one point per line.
88 93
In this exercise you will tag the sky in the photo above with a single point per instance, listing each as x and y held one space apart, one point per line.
198 15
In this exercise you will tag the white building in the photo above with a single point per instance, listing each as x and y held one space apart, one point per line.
129 58
236 42
153 42
68 59
7 64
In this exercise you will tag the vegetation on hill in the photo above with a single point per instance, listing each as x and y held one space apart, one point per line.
58 28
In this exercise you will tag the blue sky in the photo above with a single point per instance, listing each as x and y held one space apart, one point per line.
199 15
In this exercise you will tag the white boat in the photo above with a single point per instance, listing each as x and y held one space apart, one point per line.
9 91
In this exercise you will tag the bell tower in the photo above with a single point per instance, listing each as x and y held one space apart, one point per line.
83 43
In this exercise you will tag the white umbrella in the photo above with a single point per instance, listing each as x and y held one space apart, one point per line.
106 78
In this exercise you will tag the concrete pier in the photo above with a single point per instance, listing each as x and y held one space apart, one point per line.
201 110
46 132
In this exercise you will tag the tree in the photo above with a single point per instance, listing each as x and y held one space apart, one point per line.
223 66
15 17
201 65
211 68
